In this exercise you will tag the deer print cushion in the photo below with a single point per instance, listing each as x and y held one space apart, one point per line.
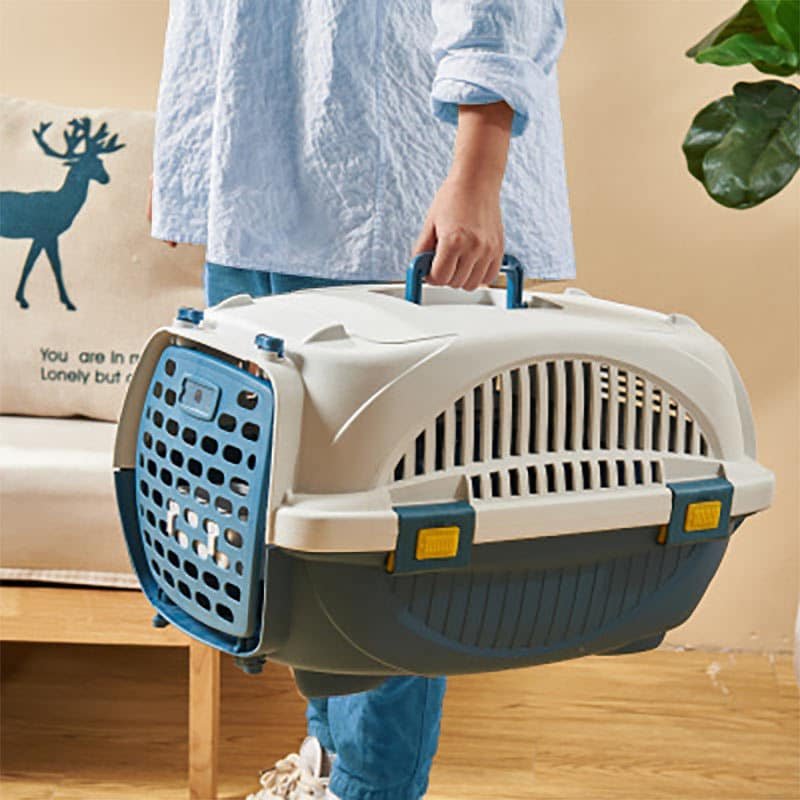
83 283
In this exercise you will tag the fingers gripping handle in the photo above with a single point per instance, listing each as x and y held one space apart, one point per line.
421 265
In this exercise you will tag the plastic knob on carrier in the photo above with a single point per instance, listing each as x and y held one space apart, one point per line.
194 316
270 344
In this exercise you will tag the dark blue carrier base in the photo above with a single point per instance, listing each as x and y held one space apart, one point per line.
344 623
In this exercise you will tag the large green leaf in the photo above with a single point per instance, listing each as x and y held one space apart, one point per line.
745 147
757 34
782 20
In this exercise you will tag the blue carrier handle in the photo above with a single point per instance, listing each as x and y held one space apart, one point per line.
421 266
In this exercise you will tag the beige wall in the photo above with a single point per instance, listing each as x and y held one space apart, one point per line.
645 231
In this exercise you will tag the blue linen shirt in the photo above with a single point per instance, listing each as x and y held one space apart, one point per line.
310 136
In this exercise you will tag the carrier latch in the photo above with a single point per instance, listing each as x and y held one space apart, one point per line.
701 511
432 537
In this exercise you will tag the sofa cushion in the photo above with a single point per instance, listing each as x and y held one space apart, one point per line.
73 194
58 513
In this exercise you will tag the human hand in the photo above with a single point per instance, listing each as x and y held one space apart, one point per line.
150 209
464 223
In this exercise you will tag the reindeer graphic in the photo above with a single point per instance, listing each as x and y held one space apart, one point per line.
44 216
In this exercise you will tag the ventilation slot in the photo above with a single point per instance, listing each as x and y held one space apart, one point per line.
556 406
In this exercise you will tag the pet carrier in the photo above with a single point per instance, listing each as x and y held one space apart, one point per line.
377 480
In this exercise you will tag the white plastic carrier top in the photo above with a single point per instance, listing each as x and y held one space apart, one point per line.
569 415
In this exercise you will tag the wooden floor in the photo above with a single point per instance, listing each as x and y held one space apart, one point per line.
92 723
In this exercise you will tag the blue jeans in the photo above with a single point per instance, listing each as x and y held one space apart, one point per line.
384 739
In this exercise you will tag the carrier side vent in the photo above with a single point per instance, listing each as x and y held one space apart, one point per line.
554 407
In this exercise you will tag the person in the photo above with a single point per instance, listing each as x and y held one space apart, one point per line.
301 142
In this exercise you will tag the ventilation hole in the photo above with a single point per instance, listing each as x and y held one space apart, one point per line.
162 526
211 580
233 592
550 475
227 422
170 397
240 486
223 562
232 454
513 479
151 467
182 539
515 413
439 434
703 446
494 480
191 517
496 418
176 457
239 568
202 496
604 475
223 505
154 565
158 419
586 474
216 476
569 477
200 548
169 579
173 559
158 498
552 407
604 423
622 423
655 471
398 470
587 403
475 480
211 527
251 431
233 537
621 481
251 461
419 454
209 444
202 601
147 413
151 517
224 612
172 427
477 415
158 388
569 382
638 473
161 449
688 435
182 485
673 433
190 569
189 436
141 460
148 538
148 439
533 483
166 477
195 467
243 514
169 367
459 443
248 400
159 548
184 589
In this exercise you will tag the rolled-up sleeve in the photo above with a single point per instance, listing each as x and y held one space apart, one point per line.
491 50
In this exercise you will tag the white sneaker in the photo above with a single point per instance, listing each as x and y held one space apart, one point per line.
299 776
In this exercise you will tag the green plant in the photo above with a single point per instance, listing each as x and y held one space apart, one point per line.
745 147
